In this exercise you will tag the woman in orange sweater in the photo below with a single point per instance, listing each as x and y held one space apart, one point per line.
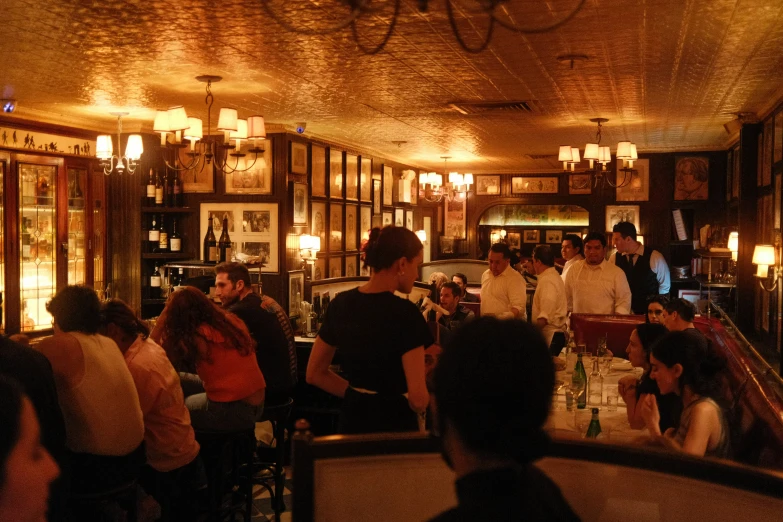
228 390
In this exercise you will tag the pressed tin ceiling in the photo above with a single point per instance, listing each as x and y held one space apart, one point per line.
666 73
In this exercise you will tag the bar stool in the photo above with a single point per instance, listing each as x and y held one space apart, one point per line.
270 462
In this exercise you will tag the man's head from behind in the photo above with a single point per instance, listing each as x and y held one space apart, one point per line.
543 258
450 294
679 315
232 282
485 409
595 248
75 309
624 237
499 258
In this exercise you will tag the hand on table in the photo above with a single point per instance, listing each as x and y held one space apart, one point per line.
650 413
626 384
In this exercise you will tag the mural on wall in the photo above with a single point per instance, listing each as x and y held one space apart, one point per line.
527 215
32 140
691 178
455 219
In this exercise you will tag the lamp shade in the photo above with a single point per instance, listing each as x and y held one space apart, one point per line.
161 121
195 129
733 243
575 155
255 128
591 151
241 132
423 178
227 121
468 179
178 118
624 150
306 242
565 153
316 244
103 147
134 148
604 155
634 154
764 255
456 178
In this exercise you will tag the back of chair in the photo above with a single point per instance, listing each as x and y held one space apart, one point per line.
473 307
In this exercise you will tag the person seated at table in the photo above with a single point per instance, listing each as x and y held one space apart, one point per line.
174 469
572 252
635 391
104 424
229 389
438 279
381 340
681 364
549 301
656 309
491 422
595 286
679 316
503 290
462 280
26 469
450 301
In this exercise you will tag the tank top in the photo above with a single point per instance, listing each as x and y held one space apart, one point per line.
102 412
722 449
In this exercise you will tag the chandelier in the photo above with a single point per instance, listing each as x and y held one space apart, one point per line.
181 127
596 155
368 12
432 189
104 150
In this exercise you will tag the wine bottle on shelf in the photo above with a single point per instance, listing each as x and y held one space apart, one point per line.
177 190
75 194
163 241
159 191
175 241
155 284
224 245
153 235
317 309
170 191
151 190
173 279
210 244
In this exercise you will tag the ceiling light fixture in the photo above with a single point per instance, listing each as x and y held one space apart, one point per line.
495 10
432 189
104 150
597 154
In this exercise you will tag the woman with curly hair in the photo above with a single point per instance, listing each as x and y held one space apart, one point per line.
197 334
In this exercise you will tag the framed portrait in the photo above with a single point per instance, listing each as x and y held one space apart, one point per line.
336 266
365 221
335 227
376 197
487 185
388 185
387 218
514 240
409 220
618 213
446 245
531 236
365 180
253 228
336 174
351 177
253 175
778 149
296 281
554 236
318 221
351 266
197 180
351 218
399 217
319 269
766 171
298 159
318 172
415 189
534 185
579 184
405 185
638 186
299 192
455 218
691 178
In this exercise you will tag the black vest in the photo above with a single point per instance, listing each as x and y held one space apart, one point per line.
641 279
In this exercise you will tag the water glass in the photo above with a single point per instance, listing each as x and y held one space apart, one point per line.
582 420
606 364
570 362
612 398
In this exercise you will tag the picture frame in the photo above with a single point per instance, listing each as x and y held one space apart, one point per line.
335 266
298 157
317 171
299 207
352 265
415 189
514 240
296 284
351 177
455 218
388 185
691 178
553 236
253 228
638 187
531 236
318 221
579 184
446 245
487 185
319 269
336 184
409 220
365 221
335 227
399 217
365 180
351 219
200 180
618 213
254 178
388 218
376 197
535 185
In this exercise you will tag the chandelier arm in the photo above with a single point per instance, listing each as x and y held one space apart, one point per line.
625 181
455 30
360 7
235 169
534 30
578 186
386 38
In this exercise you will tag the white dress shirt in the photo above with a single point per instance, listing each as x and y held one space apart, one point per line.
597 289
657 265
568 264
549 302
502 293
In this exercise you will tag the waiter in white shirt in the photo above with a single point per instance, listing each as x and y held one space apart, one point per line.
549 302
502 287
572 252
646 269
595 286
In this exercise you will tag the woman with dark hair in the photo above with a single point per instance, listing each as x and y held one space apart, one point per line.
634 391
26 468
197 334
683 364
656 308
381 340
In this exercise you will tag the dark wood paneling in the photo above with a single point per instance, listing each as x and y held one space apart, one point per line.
746 283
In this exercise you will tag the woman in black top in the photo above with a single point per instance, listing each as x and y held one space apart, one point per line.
381 340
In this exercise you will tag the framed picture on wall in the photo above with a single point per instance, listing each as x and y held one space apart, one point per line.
319 269
336 266
296 281
365 180
534 185
318 221
580 184
455 218
415 189
618 213
554 236
531 236
298 159
336 174
253 228
335 227
350 226
351 177
255 177
351 266
300 203
487 185
399 217
409 220
514 240
197 180
691 178
388 185
365 221
637 188
318 172
376 197
388 218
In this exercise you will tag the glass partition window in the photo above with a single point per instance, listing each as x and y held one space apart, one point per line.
98 236
37 224
76 227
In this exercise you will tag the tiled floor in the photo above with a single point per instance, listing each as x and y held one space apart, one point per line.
262 504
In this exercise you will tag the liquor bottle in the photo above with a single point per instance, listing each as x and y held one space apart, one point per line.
317 310
224 245
181 280
174 279
155 284
170 191
175 241
153 235
177 190
159 191
163 241
151 190
324 305
580 376
210 244
594 429
595 387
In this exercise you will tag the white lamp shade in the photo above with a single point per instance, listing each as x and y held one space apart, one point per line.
256 128
305 242
423 178
634 154
196 129
316 244
134 148
565 153
161 122
422 235
604 155
241 132
624 150
227 121
591 151
455 178
438 180
178 118
764 255
103 147
468 179
575 155
733 243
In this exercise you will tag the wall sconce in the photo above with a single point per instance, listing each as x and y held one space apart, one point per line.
498 236
733 245
104 150
309 246
764 257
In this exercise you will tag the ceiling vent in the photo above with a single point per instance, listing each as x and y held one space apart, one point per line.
467 108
